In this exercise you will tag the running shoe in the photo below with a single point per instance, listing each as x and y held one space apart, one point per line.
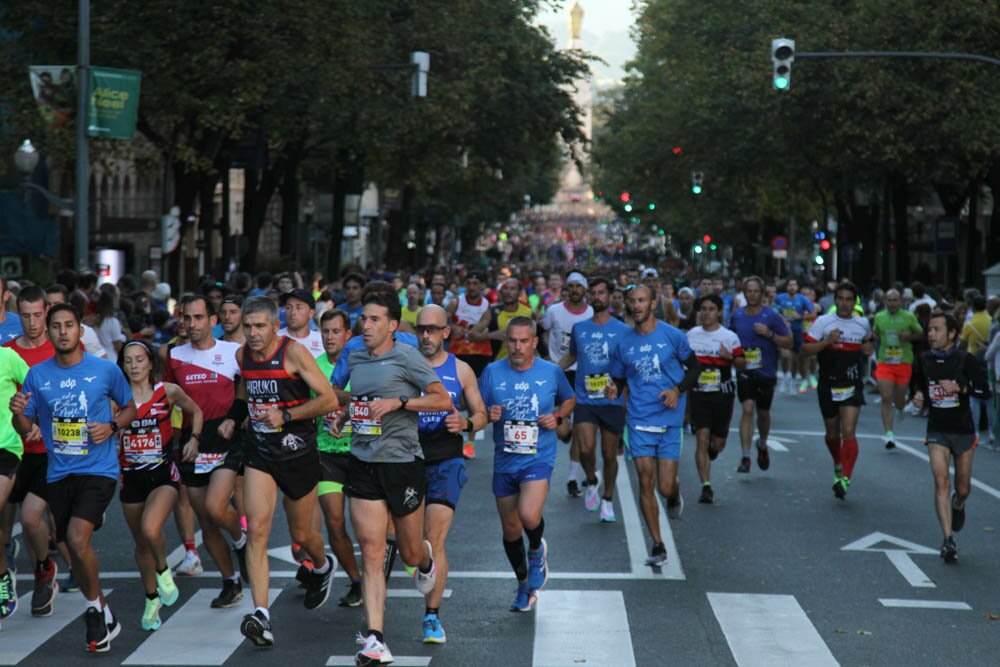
302 574
151 615
257 628
607 511
707 495
46 588
524 598
99 631
433 631
469 450
675 504
592 498
8 595
744 465
241 558
658 556
425 581
957 515
813 382
13 549
713 453
299 554
763 456
840 487
318 585
353 596
949 550
538 566
573 488
890 440
69 585
232 592
373 653
190 566
166 588
803 386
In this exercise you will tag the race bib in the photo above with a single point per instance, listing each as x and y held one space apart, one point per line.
362 421
840 394
257 412
893 355
941 398
595 384
754 358
520 436
710 380
789 312
564 342
206 462
69 436
330 419
143 448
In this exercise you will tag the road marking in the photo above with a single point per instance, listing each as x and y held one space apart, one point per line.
480 435
23 633
196 634
576 627
284 554
767 630
900 558
635 537
397 661
175 557
773 443
925 604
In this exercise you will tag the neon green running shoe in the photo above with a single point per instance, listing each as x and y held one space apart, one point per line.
151 616
166 588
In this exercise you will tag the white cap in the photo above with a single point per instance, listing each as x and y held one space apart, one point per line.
576 277
161 292
650 272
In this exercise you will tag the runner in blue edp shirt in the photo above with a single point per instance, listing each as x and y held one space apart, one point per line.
657 364
70 397
526 398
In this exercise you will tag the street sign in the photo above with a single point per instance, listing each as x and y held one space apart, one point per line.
779 243
779 254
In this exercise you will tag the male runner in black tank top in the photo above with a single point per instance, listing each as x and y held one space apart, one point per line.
278 376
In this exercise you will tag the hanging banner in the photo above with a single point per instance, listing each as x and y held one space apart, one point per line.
113 102
54 88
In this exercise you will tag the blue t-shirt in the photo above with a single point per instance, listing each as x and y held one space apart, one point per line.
788 305
342 372
10 328
593 346
652 363
760 352
429 422
218 332
353 313
525 395
63 401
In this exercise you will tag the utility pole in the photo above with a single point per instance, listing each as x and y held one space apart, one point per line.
82 227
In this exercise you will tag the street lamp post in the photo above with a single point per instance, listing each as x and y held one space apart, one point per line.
26 159
81 253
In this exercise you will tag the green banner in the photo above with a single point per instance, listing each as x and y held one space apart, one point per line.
114 102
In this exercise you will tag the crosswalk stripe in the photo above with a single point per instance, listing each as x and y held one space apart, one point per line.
767 630
634 535
22 633
398 661
576 627
196 634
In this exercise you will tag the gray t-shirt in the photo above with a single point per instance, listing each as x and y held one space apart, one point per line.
402 371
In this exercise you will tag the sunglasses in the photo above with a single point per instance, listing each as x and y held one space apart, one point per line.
433 328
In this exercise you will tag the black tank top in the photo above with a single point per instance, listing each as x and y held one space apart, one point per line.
269 385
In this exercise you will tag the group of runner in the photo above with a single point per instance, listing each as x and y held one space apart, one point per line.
366 406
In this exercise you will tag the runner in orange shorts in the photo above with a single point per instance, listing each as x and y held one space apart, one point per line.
895 329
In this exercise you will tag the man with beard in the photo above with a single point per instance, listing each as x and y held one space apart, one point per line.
300 307
464 313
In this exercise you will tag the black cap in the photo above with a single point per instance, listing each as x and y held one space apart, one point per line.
302 295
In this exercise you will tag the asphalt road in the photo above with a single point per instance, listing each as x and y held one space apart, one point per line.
776 572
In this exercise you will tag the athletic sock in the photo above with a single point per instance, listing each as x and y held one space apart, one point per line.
189 545
324 569
517 558
431 610
576 471
152 596
94 604
264 611
243 523
235 578
593 482
849 456
608 498
242 542
535 535
709 483
377 635
833 444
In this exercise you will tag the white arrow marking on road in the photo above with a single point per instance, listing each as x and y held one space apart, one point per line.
196 634
900 557
925 604
768 630
576 627
775 444
22 633
397 661
285 554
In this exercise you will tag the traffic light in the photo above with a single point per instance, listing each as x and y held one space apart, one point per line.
819 236
706 238
697 248
824 244
652 206
678 150
598 195
782 56
819 260
697 178
626 197
628 208
712 246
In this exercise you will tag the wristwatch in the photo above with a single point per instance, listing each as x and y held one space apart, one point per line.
403 400
286 415
114 426
469 426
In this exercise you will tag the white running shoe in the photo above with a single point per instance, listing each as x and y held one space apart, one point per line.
190 566
373 653
592 498
425 582
607 511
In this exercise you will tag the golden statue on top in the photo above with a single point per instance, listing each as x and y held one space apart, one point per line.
575 20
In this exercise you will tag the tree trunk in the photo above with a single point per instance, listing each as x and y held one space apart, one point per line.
973 243
260 187
335 243
902 236
206 199
993 247
290 232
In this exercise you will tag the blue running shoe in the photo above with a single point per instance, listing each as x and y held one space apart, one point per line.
524 599
433 632
538 567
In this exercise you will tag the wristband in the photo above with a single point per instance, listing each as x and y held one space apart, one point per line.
196 436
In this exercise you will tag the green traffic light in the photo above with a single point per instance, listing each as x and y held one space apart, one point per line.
819 260
697 249
781 82
628 208
696 189
652 206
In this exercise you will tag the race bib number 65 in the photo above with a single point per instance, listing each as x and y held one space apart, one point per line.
520 436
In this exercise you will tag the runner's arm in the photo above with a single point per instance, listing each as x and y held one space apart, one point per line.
304 365
691 368
473 399
979 386
188 407
567 360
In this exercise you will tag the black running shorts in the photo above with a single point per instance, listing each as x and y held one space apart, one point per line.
400 485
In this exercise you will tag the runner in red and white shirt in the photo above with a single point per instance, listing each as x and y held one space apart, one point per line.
841 340
718 350
463 314
207 371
